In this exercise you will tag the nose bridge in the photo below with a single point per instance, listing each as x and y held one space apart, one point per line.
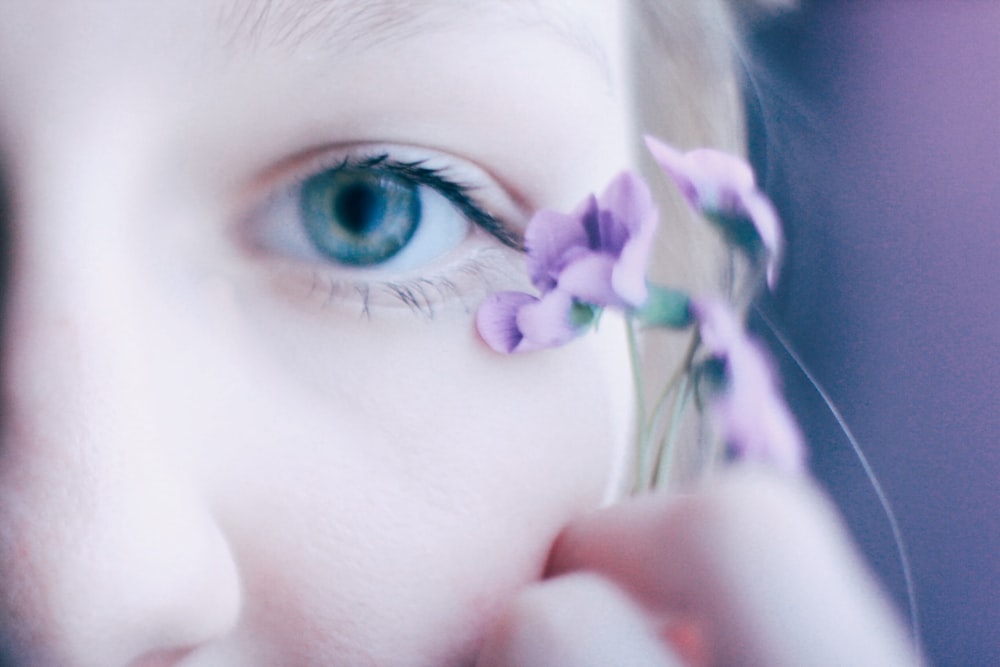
104 536
72 338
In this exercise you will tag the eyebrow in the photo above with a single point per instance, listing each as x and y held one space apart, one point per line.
253 25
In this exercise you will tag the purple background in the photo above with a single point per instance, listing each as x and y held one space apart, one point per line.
883 151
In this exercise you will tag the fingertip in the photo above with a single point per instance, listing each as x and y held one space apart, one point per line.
762 557
605 540
578 620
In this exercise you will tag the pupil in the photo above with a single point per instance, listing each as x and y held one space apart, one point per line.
357 208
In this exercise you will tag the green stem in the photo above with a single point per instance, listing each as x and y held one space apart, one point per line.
640 403
681 371
668 445
668 388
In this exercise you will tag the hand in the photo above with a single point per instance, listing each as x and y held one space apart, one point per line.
752 569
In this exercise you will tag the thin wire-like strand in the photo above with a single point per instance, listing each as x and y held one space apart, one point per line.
756 95
883 499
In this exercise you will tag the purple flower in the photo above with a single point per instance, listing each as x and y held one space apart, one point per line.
723 188
580 262
751 416
520 322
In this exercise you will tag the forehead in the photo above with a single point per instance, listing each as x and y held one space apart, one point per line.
249 82
345 24
33 29
81 49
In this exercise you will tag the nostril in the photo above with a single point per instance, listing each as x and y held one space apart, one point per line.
170 658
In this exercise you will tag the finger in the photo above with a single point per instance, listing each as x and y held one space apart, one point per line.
763 561
579 620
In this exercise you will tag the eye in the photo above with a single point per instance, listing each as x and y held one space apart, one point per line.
372 214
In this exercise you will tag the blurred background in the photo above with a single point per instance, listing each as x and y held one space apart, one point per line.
877 131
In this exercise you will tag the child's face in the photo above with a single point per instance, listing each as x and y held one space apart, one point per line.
227 437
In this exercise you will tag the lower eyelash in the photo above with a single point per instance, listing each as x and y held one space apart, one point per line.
423 296
420 295
416 293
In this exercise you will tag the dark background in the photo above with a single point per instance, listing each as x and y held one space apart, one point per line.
877 131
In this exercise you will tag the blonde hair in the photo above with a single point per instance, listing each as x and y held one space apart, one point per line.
687 72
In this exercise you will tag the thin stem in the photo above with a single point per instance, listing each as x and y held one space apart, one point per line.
682 370
648 445
668 445
659 424
640 403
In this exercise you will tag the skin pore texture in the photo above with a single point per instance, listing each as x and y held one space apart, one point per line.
220 450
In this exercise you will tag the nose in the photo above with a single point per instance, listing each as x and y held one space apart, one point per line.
110 552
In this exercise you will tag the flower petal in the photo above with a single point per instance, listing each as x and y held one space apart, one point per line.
629 198
550 237
717 325
496 320
610 232
607 232
629 276
755 421
765 219
590 219
671 161
710 179
758 424
588 279
750 413
547 322
722 186
721 178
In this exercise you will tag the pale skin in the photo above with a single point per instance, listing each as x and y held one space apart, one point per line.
221 448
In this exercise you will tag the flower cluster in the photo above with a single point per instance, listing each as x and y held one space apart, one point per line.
596 257
580 262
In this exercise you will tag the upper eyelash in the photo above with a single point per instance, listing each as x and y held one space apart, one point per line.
417 173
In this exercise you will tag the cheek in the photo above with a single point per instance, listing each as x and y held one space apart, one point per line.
322 488
404 476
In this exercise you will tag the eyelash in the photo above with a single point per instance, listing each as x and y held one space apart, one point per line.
418 294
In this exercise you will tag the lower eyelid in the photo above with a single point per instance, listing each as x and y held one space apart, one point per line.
464 283
458 285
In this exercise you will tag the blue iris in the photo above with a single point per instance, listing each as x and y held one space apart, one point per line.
359 216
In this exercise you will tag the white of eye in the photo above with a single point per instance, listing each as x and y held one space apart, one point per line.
277 227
